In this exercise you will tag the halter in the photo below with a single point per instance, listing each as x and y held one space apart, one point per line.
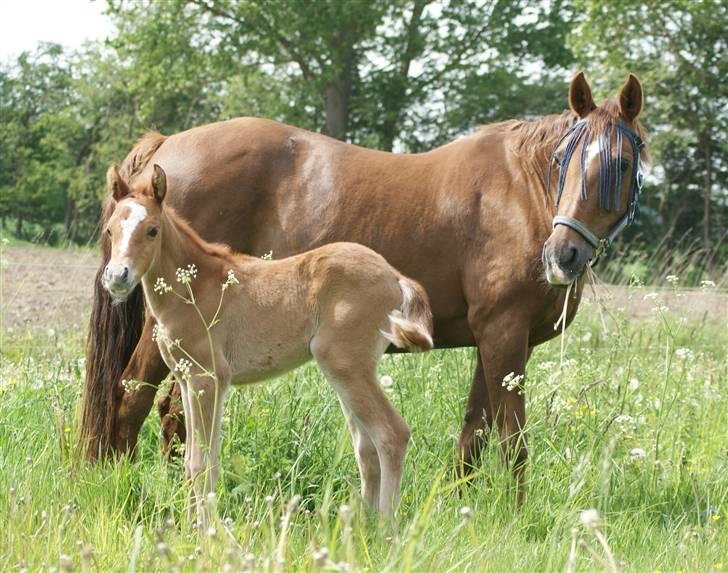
609 195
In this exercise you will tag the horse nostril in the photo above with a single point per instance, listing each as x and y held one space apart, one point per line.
568 256
125 273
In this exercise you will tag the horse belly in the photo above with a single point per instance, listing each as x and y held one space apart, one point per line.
263 359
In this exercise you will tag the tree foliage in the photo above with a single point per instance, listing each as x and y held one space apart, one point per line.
389 74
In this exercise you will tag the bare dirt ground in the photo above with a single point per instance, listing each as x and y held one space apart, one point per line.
44 289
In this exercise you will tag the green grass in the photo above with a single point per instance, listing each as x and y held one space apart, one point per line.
659 385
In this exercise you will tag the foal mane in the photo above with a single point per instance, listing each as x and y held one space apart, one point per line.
217 250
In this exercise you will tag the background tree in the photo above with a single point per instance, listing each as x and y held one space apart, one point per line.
679 49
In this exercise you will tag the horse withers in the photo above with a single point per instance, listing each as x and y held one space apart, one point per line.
474 221
247 319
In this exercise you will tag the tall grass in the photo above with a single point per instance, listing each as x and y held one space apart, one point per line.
685 257
632 425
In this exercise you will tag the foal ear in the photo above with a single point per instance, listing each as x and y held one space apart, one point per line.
159 183
115 184
630 98
580 96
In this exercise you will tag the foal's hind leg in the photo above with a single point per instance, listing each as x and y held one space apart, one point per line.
366 458
350 367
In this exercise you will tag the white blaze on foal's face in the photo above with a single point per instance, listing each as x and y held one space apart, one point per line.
136 213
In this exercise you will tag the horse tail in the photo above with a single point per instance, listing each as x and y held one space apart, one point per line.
411 326
114 330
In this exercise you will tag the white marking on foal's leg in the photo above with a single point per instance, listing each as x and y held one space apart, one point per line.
137 213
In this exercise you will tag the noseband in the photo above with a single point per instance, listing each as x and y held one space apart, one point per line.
609 195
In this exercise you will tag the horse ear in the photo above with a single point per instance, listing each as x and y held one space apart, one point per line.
580 96
630 98
159 183
115 184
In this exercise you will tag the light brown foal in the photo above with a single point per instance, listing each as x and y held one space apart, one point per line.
252 319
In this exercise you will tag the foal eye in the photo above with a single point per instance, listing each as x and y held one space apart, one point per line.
624 166
108 231
152 232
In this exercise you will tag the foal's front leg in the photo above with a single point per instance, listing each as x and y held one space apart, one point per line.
203 412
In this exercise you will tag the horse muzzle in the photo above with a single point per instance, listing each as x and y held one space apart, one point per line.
564 258
117 280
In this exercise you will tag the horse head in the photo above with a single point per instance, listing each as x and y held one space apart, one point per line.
133 229
596 168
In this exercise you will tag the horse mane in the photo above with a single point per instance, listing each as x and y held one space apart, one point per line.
544 132
139 156
217 250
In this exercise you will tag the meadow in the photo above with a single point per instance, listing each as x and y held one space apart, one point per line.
628 441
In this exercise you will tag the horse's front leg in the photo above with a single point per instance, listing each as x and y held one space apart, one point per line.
203 400
133 404
503 348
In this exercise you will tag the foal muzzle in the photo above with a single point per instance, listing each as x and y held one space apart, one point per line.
117 280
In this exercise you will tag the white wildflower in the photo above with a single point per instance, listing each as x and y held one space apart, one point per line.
684 353
231 280
650 296
547 366
466 512
672 279
268 256
512 382
161 286
320 556
183 367
633 384
386 381
589 518
345 511
636 454
705 285
186 275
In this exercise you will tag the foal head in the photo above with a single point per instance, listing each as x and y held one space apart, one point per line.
596 170
133 230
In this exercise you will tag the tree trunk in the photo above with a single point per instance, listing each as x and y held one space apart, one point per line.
19 225
69 218
398 88
336 97
707 188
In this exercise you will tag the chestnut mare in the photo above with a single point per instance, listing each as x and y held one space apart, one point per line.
472 221
246 320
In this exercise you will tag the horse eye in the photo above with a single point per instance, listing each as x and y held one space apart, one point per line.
152 232
557 160
108 231
624 166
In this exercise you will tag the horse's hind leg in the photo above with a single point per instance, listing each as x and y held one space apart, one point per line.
366 457
351 370
477 425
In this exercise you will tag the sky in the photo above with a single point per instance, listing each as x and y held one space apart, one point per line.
24 23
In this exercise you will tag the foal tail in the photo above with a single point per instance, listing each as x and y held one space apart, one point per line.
411 326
